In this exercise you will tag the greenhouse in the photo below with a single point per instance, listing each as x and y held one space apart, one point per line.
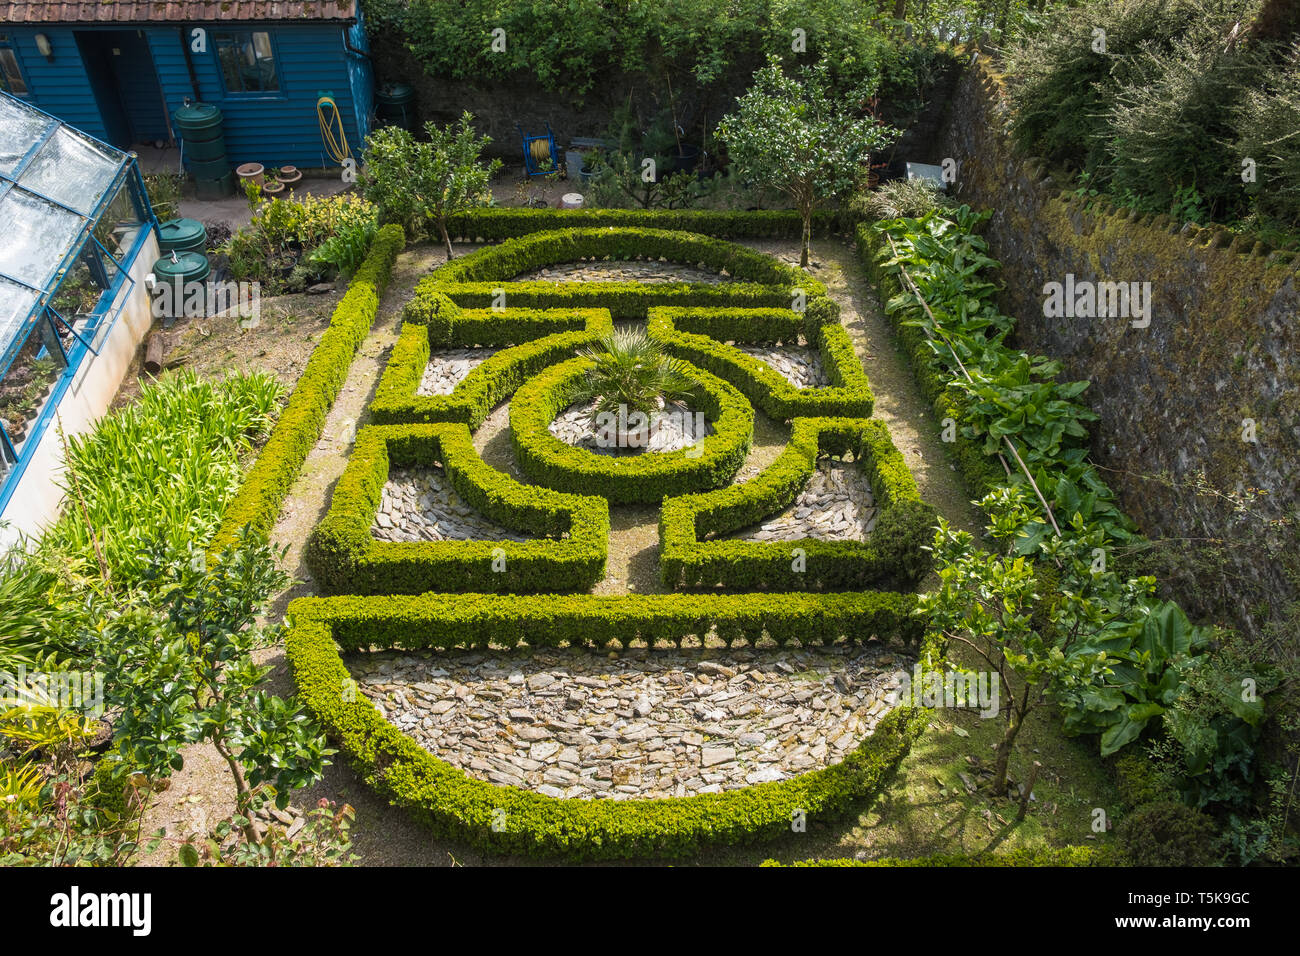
73 210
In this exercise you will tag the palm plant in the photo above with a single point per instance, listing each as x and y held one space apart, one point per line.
632 374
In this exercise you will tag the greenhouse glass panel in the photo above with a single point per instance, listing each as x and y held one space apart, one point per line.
38 234
72 169
21 128
16 303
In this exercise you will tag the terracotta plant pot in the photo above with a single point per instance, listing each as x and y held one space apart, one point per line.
254 171
289 176
273 188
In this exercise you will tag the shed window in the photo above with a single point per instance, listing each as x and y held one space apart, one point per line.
11 76
247 62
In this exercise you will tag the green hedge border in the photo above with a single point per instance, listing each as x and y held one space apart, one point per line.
537 343
257 503
639 479
499 223
458 806
477 280
345 558
895 555
699 336
1068 856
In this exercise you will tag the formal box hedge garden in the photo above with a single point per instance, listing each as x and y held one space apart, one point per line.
496 595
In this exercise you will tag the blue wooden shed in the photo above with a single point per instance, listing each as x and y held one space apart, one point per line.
119 69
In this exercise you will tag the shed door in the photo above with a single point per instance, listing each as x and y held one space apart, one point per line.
126 86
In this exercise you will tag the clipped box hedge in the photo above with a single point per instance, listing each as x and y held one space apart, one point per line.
482 278
541 344
512 820
632 479
894 556
257 503
568 553
700 335
497 223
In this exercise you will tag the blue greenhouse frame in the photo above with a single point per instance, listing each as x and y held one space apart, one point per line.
87 337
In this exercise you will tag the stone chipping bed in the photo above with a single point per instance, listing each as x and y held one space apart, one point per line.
448 368
801 365
420 505
649 724
835 505
668 433
642 270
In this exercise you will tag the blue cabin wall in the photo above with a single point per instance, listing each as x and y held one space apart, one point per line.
275 129
60 86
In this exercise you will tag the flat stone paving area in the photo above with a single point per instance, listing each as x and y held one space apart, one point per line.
800 364
835 505
447 369
420 505
570 723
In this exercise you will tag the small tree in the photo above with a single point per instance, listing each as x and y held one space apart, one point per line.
792 135
178 666
413 182
1049 624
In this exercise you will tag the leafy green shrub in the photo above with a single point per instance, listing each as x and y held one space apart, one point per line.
419 184
284 233
568 551
1168 833
257 503
793 135
1267 120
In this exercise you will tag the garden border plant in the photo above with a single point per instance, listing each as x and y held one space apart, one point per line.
513 820
895 555
700 336
1151 666
257 504
537 338
647 478
346 559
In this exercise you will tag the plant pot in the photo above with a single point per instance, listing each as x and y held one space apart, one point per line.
289 176
685 159
254 171
273 188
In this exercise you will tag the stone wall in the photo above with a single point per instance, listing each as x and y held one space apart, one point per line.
1223 346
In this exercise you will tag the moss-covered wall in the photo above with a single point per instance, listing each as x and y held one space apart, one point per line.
1223 345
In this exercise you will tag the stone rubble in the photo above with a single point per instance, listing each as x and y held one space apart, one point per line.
420 505
799 364
835 505
447 368
669 432
646 724
641 270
